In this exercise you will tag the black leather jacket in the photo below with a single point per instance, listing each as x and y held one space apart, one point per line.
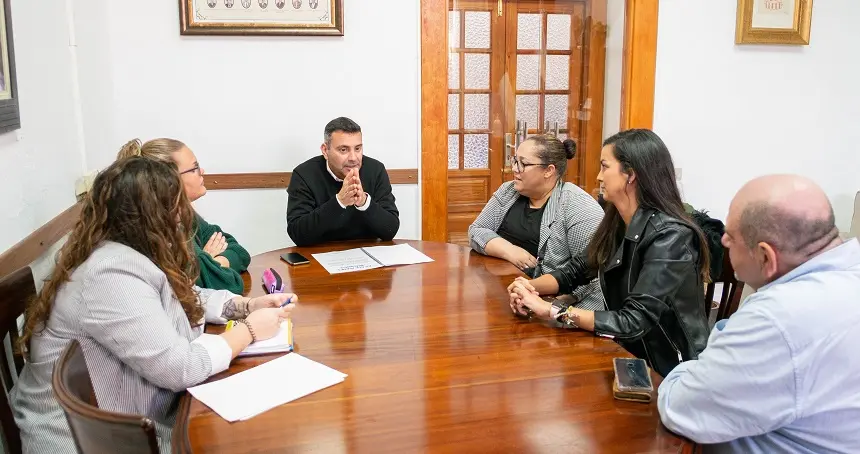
653 290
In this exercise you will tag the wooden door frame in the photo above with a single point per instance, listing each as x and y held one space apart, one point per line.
637 98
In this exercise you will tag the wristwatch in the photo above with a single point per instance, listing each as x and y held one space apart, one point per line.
562 314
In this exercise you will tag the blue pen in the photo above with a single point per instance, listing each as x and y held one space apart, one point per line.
288 301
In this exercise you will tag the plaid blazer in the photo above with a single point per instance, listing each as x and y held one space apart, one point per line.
568 223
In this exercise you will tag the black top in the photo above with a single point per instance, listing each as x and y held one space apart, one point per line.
521 226
315 216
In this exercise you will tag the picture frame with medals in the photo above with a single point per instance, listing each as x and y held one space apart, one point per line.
10 116
261 17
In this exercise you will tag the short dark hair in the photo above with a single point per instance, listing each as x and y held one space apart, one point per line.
342 124
788 232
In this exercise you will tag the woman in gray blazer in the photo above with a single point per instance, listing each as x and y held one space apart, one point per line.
538 222
123 286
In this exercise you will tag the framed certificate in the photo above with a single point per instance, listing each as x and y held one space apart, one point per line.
773 22
261 17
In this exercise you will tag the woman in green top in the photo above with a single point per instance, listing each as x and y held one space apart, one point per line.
221 258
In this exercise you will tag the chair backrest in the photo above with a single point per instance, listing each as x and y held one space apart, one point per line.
731 294
16 290
93 429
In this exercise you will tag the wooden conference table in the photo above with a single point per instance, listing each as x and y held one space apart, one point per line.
436 363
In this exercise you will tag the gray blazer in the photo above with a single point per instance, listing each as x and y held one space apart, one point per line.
569 221
138 344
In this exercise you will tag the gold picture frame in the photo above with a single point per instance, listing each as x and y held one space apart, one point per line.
773 22
261 17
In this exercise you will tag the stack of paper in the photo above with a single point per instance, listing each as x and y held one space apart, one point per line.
399 254
281 342
257 390
370 257
346 261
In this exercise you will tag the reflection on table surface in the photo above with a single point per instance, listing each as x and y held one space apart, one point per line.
436 362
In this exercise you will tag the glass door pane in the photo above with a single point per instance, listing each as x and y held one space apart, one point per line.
545 55
523 67
470 30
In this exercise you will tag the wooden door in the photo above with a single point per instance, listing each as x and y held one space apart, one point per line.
511 63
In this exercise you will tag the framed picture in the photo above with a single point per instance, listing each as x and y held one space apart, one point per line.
773 21
261 17
10 118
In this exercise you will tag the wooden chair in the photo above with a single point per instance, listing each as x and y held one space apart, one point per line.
15 290
95 430
731 294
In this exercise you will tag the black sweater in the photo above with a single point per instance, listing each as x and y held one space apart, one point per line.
315 216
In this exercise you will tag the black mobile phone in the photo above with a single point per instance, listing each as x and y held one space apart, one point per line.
294 258
632 375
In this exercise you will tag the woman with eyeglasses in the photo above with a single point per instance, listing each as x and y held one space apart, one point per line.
538 222
650 256
220 257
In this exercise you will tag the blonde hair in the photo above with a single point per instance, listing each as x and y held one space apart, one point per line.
160 150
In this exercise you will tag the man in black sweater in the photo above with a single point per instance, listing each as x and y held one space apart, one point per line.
341 195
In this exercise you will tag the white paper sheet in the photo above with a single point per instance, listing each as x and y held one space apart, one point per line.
346 261
259 389
399 254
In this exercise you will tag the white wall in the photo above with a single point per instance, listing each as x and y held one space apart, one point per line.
730 113
40 162
252 104
614 67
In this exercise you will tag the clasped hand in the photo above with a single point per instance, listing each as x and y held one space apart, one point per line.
524 296
352 193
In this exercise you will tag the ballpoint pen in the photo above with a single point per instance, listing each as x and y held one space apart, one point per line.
289 300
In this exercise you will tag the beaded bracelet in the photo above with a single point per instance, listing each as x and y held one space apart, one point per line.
250 329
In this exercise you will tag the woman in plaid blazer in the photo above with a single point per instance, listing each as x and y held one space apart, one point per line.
538 222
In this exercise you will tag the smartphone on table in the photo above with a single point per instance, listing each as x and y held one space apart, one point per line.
294 258
632 380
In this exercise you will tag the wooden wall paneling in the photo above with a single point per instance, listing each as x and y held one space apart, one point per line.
271 180
499 84
640 64
37 243
576 75
596 36
281 180
434 120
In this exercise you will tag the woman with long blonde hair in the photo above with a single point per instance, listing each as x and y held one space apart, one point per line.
123 287
220 257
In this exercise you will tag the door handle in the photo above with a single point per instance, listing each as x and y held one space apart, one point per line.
550 128
506 164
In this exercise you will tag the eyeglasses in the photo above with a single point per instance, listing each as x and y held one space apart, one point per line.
520 167
196 169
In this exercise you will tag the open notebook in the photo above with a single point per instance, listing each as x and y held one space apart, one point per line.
281 342
365 258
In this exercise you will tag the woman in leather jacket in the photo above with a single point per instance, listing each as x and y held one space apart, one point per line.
650 257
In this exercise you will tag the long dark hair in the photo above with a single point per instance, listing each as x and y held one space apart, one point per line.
137 202
644 153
